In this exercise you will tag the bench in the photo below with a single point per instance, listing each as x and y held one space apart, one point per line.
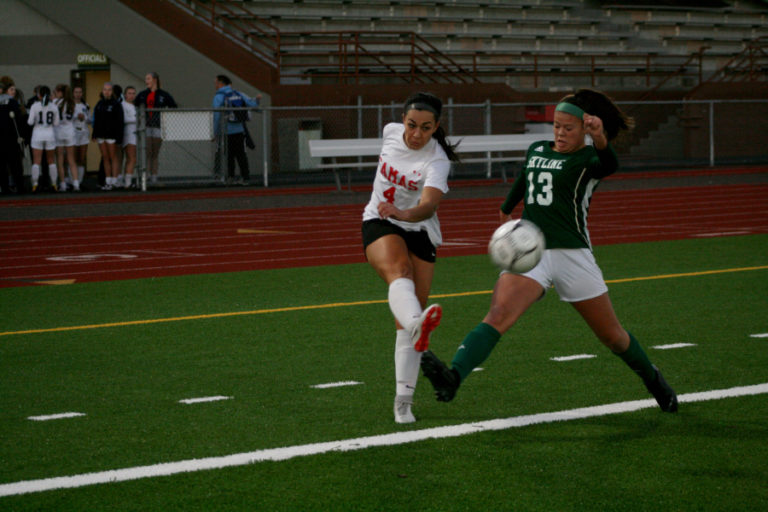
514 146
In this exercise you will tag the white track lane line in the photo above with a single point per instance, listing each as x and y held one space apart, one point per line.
344 445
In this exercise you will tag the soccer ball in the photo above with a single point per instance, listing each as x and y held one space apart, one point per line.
516 246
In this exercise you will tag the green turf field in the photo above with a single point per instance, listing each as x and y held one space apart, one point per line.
125 353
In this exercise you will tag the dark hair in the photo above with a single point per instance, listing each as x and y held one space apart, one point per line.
117 92
224 79
431 103
154 75
598 104
45 94
67 104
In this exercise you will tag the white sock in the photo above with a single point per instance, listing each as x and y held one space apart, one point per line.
128 180
53 173
407 363
403 302
76 184
80 171
35 173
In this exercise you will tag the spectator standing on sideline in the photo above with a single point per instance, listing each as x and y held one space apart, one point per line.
153 97
117 93
43 117
227 97
65 138
108 133
129 134
82 135
11 143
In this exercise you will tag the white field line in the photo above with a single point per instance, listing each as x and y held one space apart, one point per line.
560 359
203 399
345 445
674 345
337 384
760 335
59 416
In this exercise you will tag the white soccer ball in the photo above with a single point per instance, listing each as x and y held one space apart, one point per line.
517 246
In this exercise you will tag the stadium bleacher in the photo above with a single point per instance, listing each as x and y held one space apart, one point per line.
481 34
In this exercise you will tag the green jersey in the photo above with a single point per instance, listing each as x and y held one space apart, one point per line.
557 188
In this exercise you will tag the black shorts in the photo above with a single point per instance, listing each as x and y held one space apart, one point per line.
418 242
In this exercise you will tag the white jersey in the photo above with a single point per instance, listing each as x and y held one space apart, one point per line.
129 120
401 176
80 124
43 119
65 130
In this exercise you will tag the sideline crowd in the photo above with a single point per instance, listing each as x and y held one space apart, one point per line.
54 127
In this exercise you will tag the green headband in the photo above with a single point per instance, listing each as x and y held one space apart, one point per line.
570 108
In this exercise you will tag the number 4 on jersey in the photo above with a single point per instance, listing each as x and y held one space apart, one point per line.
390 195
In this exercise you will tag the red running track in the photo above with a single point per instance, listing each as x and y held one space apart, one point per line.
154 245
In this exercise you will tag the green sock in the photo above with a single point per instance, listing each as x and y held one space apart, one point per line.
475 348
636 359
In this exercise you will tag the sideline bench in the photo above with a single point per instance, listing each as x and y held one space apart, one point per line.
513 145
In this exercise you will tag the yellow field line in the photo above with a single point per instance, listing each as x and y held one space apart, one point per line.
341 304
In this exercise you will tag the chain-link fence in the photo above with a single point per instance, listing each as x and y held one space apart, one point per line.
667 134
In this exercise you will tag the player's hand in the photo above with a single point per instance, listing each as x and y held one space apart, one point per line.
503 217
594 128
388 210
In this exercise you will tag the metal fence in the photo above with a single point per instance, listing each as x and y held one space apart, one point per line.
667 134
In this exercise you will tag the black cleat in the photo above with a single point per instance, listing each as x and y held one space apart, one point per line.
444 380
662 392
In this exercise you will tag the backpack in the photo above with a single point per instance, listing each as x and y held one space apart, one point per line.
234 99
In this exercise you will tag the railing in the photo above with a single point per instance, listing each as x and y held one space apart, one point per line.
351 56
239 25
751 65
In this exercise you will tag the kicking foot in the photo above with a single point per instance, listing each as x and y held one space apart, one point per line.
445 380
427 322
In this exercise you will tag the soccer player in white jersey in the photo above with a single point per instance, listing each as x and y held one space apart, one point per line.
43 117
556 187
82 134
65 137
129 134
401 232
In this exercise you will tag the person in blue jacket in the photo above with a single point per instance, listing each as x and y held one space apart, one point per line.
236 129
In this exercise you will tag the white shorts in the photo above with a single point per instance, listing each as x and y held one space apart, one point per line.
154 133
43 144
573 272
82 137
129 136
108 141
65 142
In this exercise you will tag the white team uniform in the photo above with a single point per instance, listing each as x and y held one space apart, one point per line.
129 118
82 137
401 176
65 130
43 119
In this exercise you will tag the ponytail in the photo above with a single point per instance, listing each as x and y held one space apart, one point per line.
598 104
450 150
45 94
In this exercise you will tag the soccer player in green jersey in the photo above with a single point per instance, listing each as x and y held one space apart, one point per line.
556 187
